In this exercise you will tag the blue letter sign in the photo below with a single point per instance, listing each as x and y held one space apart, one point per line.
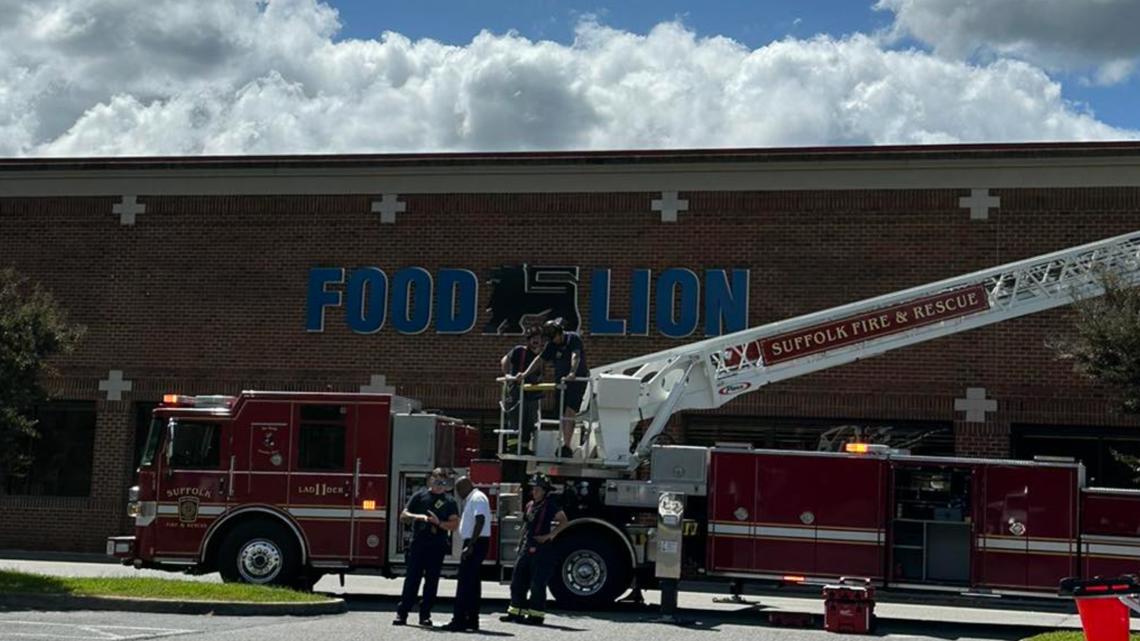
411 298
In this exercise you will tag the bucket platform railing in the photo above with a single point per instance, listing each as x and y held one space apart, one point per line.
545 435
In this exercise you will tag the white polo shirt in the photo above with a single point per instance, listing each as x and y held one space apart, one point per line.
475 504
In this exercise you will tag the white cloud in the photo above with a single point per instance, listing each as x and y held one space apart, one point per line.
104 77
1059 35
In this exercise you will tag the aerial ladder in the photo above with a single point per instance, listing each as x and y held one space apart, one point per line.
709 373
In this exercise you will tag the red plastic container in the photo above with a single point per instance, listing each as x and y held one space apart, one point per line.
849 608
1104 604
1104 619
853 617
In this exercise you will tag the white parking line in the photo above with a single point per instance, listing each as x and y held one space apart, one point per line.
45 630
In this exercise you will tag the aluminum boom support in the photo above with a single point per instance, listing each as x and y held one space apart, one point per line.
714 371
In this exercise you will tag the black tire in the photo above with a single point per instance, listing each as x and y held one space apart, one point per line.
593 570
260 552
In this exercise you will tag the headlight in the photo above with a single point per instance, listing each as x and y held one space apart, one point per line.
133 501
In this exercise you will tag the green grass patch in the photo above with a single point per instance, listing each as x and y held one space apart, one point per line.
1066 635
150 588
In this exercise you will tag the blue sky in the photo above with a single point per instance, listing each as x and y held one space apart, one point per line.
752 23
168 77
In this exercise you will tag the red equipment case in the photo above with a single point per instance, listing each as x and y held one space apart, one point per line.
849 606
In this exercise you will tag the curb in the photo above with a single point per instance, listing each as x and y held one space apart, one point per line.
162 606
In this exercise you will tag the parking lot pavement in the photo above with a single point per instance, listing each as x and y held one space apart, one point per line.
370 618
370 592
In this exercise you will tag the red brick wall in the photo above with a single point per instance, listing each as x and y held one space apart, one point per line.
207 294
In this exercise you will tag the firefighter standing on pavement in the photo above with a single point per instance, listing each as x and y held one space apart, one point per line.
433 514
475 530
537 558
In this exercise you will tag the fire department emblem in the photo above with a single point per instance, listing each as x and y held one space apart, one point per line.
187 509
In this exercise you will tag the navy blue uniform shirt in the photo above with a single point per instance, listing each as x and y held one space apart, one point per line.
560 355
442 505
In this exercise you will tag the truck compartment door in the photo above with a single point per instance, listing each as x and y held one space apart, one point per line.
732 499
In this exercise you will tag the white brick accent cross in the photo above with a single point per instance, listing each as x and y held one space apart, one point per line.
388 206
114 385
979 202
377 385
669 205
128 208
975 405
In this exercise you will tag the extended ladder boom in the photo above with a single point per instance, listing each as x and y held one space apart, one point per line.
709 373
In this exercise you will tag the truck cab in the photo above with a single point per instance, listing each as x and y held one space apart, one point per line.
283 487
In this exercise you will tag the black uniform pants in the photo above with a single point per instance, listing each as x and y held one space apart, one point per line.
532 572
469 591
425 561
531 403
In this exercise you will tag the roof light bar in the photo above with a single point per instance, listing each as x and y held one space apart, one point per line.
866 448
183 400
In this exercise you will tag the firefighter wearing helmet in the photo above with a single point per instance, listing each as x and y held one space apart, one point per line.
536 555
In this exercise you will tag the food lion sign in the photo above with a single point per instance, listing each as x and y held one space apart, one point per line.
677 302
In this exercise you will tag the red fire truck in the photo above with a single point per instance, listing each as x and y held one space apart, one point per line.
275 487
281 487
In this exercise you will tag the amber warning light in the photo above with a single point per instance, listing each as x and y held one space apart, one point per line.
866 448
182 400
368 504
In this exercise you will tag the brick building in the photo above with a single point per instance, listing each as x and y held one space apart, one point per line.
212 275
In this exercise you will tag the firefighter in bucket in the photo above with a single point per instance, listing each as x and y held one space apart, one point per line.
514 364
536 556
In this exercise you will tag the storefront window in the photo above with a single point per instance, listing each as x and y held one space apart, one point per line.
931 438
62 455
1111 456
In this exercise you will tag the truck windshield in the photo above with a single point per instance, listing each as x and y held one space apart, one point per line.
153 437
196 444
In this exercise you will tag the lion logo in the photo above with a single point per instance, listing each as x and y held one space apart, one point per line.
525 290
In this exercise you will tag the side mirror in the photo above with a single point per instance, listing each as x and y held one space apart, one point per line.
169 450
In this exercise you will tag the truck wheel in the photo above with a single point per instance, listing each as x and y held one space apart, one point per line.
259 552
592 571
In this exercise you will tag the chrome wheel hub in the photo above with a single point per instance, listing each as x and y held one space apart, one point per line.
259 561
584 572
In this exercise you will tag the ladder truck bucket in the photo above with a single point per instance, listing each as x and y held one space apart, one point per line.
617 400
